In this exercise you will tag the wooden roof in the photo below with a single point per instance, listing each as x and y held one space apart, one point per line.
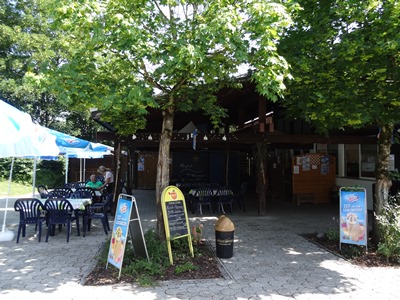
252 116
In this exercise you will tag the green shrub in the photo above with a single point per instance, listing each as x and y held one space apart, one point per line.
145 271
389 227
22 170
333 234
51 173
188 266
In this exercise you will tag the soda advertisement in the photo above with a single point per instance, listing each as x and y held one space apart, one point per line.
353 216
119 233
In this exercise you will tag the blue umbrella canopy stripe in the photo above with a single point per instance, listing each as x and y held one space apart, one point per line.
74 147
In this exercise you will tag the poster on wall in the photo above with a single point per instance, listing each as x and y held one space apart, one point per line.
353 216
296 170
306 163
140 165
324 165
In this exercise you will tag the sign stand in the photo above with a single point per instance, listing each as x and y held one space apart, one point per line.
176 222
126 220
353 216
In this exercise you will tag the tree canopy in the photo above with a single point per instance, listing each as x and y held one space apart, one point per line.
127 56
344 57
27 46
124 57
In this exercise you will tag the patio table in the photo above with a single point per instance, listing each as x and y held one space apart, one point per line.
79 205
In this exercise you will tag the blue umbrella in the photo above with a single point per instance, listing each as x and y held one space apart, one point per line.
21 137
74 147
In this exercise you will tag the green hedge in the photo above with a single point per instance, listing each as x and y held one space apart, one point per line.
50 173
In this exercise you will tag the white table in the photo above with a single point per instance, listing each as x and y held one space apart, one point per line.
76 203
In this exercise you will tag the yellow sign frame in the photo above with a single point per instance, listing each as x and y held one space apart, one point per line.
173 205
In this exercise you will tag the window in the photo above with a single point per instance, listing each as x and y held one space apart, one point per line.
368 160
333 150
351 156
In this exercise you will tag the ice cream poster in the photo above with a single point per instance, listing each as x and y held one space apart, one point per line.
353 216
119 233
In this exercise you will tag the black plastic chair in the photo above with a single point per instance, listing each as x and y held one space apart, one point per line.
83 193
203 196
31 211
80 184
98 211
86 192
225 197
60 193
42 190
70 185
59 212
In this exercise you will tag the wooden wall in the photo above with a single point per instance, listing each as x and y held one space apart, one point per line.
314 176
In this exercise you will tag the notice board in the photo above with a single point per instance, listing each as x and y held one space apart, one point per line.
176 221
313 174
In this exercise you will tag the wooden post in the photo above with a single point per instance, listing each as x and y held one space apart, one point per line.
262 110
262 181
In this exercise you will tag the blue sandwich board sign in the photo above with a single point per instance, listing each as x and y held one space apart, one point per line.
353 216
127 220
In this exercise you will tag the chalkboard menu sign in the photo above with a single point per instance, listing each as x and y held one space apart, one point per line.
176 218
176 222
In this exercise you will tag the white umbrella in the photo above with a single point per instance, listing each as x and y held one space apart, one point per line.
21 137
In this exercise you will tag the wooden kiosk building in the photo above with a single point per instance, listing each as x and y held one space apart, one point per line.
228 155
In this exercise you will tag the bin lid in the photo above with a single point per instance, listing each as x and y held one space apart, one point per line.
224 224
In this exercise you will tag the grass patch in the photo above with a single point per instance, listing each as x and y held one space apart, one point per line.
16 189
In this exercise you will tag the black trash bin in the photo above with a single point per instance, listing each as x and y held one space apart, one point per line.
224 234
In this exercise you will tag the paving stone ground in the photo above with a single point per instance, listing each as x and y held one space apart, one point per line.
270 261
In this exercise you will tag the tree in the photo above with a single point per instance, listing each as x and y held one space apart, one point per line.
124 57
27 44
345 61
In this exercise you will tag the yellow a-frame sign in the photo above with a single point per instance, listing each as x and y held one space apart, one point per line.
176 222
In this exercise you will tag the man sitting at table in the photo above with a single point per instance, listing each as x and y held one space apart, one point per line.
94 183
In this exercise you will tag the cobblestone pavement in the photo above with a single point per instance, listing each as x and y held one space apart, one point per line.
270 261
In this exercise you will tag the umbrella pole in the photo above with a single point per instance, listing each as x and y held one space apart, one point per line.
80 170
34 177
66 168
84 170
7 235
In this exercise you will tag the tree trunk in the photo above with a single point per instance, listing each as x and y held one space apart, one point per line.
383 181
227 168
163 165
262 182
117 174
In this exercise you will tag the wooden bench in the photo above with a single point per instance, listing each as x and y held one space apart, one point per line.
305 198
